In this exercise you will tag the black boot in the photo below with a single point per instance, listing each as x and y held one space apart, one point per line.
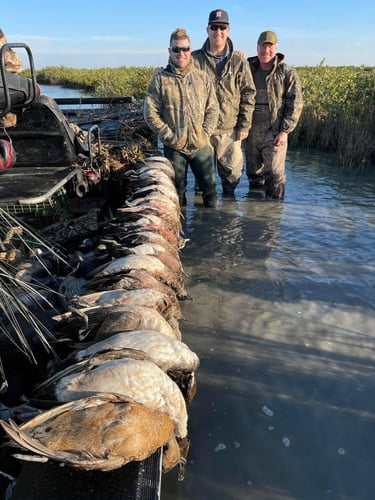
210 200
256 182
228 189
276 191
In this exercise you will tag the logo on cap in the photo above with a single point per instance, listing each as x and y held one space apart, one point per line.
218 15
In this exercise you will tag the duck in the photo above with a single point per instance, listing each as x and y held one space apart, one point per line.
135 376
148 236
148 262
99 323
154 189
155 200
172 228
101 432
170 259
118 230
160 163
147 297
130 280
165 211
166 352
171 355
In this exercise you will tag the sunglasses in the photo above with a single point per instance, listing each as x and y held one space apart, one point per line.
215 27
177 50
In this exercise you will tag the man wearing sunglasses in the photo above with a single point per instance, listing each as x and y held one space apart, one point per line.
235 92
182 109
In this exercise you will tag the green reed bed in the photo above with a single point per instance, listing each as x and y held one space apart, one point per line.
338 115
119 81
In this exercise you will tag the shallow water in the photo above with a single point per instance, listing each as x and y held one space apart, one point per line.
56 91
283 320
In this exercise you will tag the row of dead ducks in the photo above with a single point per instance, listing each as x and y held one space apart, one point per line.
122 392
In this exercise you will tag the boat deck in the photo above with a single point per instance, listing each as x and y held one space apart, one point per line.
34 185
134 481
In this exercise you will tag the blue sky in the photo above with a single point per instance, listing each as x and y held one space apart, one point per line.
100 33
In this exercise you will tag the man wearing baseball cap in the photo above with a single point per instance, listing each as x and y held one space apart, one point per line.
235 92
278 108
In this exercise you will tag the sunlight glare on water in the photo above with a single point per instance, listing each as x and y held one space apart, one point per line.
282 317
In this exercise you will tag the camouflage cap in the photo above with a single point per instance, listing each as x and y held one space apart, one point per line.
267 37
218 16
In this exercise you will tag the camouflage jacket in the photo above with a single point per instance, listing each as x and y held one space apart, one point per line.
181 107
284 94
235 89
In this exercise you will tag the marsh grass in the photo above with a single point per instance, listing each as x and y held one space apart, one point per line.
338 115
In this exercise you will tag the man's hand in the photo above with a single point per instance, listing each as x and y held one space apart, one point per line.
281 139
241 136
240 53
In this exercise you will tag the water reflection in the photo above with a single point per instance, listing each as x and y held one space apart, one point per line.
56 91
282 317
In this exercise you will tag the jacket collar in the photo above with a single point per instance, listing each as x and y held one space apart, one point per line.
175 70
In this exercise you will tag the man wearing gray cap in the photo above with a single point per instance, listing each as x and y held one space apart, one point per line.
278 108
235 92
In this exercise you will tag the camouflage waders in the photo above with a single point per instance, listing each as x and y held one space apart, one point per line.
229 160
265 162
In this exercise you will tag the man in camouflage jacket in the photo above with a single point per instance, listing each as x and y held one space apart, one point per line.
181 108
278 108
235 92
